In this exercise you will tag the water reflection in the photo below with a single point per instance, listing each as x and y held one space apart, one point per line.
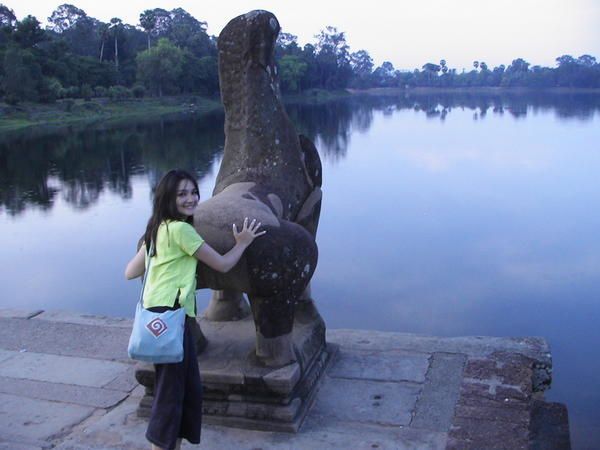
81 163
446 214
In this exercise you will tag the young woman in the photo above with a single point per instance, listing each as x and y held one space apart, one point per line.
171 284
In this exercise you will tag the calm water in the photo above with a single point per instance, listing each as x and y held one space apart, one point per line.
445 215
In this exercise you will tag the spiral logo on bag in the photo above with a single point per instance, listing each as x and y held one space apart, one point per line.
157 327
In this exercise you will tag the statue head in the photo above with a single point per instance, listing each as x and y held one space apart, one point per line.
246 51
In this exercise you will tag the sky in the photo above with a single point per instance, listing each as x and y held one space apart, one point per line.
406 33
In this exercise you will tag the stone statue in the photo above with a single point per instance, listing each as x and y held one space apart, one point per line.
268 173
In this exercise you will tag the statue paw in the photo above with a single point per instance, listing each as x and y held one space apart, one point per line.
275 352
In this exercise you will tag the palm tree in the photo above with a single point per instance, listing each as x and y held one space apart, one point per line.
148 22
103 34
443 65
115 26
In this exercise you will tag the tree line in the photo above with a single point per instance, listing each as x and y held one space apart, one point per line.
170 52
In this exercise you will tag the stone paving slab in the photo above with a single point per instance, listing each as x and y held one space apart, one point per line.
51 337
64 393
536 347
435 408
85 319
376 402
124 382
61 369
25 419
393 365
5 355
121 429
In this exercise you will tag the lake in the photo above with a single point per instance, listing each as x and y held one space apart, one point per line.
445 214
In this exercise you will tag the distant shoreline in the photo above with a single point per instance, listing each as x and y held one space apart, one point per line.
474 90
80 112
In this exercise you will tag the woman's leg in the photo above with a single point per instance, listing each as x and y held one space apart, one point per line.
177 446
167 408
191 420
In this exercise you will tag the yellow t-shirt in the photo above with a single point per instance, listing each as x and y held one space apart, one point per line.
173 270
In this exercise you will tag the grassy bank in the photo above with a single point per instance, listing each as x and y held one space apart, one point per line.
73 112
70 112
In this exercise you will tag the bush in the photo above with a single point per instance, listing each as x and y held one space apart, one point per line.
138 91
69 92
86 92
52 89
100 91
119 93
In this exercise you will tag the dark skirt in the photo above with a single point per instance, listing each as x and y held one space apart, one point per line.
177 406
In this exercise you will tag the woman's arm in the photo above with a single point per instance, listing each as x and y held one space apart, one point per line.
224 263
136 267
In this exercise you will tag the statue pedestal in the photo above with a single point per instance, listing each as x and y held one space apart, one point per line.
238 391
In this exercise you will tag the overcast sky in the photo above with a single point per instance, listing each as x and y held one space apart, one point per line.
407 33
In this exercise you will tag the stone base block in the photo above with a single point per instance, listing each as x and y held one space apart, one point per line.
239 391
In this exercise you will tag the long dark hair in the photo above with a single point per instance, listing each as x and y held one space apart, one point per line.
164 206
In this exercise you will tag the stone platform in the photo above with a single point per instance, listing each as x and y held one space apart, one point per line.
238 391
66 383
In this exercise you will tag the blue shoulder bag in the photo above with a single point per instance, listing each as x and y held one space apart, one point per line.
156 337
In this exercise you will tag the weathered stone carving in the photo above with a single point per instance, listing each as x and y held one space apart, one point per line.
268 173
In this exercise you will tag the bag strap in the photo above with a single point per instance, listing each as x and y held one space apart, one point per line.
148 260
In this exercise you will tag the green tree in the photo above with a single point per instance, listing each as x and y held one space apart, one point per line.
586 60
291 70
429 76
188 32
162 22
76 28
8 20
385 75
7 17
160 67
28 32
286 44
565 60
22 75
518 65
362 68
333 58
516 73
65 17
208 74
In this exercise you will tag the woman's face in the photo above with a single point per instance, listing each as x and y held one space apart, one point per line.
186 198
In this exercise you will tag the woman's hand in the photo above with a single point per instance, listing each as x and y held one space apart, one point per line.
243 238
248 232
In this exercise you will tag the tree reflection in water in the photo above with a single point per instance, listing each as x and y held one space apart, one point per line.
81 163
